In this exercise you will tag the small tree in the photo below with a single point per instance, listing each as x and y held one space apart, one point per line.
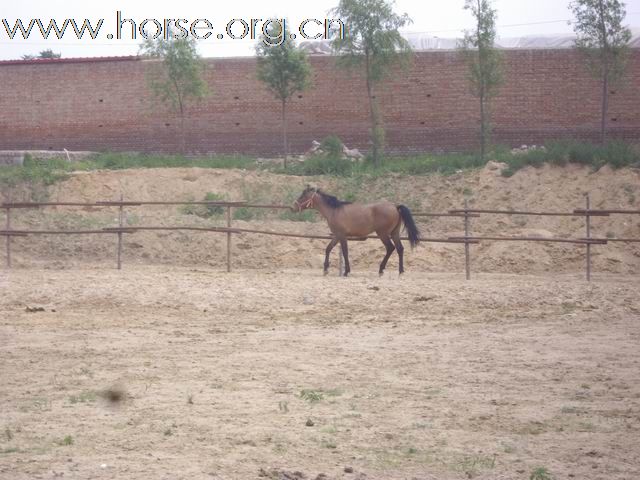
604 41
43 54
371 41
484 61
284 68
178 79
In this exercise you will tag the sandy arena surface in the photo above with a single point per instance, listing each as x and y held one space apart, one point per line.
270 374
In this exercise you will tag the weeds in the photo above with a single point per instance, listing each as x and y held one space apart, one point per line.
473 464
311 396
244 213
42 173
314 396
84 397
205 211
9 450
617 154
118 161
329 444
540 473
65 442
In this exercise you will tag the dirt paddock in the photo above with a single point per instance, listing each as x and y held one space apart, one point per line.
291 375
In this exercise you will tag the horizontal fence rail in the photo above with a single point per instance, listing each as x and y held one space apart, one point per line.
515 212
578 241
466 214
606 213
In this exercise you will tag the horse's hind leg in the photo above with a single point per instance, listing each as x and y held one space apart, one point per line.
390 249
345 254
396 240
327 253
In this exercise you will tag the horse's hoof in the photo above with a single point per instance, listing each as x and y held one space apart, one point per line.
325 273
380 274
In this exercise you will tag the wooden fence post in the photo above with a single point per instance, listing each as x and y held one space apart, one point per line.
8 227
120 224
229 239
588 223
467 265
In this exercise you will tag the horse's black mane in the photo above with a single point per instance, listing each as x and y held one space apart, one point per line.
332 201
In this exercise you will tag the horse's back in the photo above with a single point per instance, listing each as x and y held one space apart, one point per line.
386 216
359 219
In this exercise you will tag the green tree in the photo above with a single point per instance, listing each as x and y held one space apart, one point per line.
43 54
605 43
484 61
371 42
178 79
283 68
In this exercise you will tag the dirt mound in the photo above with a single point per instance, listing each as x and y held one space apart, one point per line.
548 188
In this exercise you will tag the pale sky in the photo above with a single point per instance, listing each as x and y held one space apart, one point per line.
439 18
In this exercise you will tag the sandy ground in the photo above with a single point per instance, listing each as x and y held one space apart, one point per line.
270 374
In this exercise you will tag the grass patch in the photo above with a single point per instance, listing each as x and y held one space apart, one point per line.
205 211
473 465
615 153
324 165
65 442
47 172
330 444
245 213
84 397
8 450
42 173
412 165
311 396
314 396
119 161
540 473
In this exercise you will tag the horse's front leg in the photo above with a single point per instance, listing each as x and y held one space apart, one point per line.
332 244
345 254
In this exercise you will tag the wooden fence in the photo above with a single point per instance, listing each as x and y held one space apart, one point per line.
466 214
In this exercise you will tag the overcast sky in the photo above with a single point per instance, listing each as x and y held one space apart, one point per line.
435 17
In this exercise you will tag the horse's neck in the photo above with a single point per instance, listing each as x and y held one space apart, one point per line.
325 210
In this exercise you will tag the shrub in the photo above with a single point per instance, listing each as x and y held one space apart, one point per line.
332 146
205 211
617 154
244 213
326 165
212 210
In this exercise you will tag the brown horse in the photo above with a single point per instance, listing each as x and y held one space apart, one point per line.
348 219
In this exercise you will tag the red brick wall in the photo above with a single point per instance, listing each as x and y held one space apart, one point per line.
105 105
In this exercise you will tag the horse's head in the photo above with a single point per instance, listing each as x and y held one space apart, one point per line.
305 200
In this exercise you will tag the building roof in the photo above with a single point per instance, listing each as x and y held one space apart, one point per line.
40 61
424 42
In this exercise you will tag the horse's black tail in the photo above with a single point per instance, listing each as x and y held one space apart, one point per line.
409 225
